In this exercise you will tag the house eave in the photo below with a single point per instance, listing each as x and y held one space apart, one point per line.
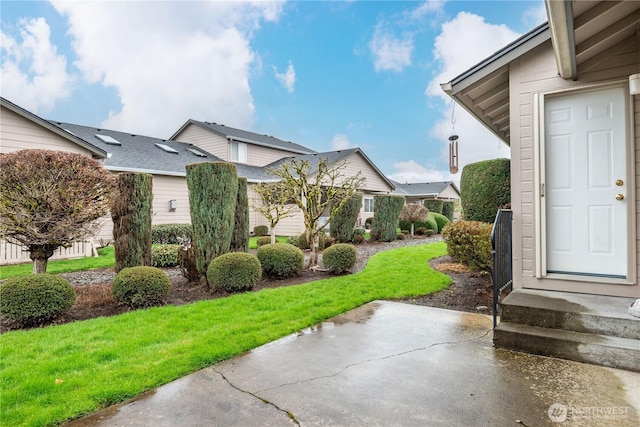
560 15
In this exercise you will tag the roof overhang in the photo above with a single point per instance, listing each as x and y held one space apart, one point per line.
483 90
560 15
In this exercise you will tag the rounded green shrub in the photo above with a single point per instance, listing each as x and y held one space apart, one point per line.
421 231
339 258
260 230
165 255
428 232
35 299
280 260
234 272
304 244
263 240
400 236
140 287
440 220
292 240
470 243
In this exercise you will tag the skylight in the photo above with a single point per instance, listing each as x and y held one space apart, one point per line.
166 148
196 152
107 139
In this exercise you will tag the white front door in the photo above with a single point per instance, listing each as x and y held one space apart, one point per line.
585 175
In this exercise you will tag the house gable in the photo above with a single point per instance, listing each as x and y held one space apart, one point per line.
22 130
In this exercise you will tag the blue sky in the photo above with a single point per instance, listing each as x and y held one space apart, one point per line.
324 74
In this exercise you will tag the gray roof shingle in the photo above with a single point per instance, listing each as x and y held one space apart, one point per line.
423 188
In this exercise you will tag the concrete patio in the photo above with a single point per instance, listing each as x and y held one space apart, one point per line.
388 364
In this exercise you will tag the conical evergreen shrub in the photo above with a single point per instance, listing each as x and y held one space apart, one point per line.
240 236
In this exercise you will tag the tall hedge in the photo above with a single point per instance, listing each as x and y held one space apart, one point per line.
344 219
240 236
213 192
485 187
386 216
448 209
131 215
434 205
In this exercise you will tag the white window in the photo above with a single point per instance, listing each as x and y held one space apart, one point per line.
238 152
368 205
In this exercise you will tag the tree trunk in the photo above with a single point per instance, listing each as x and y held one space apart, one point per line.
40 255
273 234
412 225
313 244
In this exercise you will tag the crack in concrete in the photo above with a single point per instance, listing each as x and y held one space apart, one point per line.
390 356
263 400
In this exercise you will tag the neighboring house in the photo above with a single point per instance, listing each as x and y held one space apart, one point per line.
166 161
560 97
256 153
418 192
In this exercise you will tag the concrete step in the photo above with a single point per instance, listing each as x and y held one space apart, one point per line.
600 315
615 352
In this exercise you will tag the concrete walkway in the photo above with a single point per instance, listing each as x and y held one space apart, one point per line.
388 364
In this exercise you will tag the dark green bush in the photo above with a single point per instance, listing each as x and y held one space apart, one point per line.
359 231
440 220
131 215
400 236
213 193
263 240
35 299
421 231
470 243
429 232
429 224
385 220
339 258
165 255
292 240
434 205
171 234
485 187
234 272
280 260
304 244
260 230
345 218
140 287
448 209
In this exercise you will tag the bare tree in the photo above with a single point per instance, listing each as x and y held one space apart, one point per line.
50 199
273 203
413 213
317 191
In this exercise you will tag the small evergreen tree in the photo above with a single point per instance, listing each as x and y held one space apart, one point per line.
344 219
131 215
448 209
385 219
240 237
213 192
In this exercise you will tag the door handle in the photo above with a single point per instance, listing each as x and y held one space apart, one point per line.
619 197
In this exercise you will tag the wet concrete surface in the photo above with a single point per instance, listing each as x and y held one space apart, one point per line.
388 364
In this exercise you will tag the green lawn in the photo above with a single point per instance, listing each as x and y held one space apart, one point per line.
107 360
105 259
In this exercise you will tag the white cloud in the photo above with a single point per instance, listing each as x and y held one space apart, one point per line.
288 78
169 61
429 7
412 172
341 142
535 15
34 75
390 52
463 42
